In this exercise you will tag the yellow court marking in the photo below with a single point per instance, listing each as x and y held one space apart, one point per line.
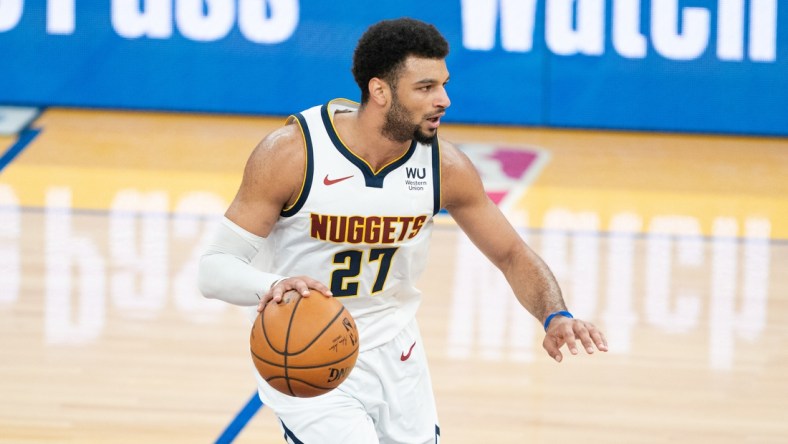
693 179
108 189
5 143
122 140
101 157
633 161
602 181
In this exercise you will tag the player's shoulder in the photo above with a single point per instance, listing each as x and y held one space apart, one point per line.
280 151
281 146
282 140
460 181
453 159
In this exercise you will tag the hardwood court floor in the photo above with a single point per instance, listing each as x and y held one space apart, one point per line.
675 245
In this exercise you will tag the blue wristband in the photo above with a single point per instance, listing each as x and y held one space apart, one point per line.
563 313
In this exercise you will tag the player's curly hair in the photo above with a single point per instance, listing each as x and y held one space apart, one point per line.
383 48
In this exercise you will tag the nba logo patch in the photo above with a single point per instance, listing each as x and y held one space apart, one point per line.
506 171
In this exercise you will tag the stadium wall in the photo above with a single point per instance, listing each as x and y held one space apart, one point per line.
656 65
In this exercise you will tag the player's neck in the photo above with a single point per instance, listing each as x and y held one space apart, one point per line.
361 132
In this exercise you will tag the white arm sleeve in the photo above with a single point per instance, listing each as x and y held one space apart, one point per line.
225 270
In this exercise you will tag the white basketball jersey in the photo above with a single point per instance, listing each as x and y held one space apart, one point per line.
363 233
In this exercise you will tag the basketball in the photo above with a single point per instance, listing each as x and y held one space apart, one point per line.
304 346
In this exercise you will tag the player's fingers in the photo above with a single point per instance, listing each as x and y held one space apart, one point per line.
294 283
276 294
552 348
569 338
599 339
302 284
302 288
582 332
276 291
319 286
323 289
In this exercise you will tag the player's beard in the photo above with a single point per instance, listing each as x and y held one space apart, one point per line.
399 128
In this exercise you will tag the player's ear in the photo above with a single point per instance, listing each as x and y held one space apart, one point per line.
379 91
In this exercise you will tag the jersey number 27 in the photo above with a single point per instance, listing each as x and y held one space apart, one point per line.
344 280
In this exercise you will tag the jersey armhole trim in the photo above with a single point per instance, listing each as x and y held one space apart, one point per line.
306 184
436 174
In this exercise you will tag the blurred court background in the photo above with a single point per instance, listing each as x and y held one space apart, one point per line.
641 147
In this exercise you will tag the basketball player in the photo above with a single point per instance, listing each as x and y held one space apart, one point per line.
342 199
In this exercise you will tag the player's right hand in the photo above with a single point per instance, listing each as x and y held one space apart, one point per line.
301 284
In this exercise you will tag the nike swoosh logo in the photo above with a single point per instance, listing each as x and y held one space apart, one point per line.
404 357
327 181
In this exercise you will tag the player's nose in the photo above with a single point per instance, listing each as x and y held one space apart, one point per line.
442 99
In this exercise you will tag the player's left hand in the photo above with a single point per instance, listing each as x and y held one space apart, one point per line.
568 331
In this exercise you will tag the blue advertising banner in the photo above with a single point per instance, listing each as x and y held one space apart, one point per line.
663 65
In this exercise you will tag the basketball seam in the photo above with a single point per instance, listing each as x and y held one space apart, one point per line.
287 342
302 382
285 352
317 336
265 335
304 367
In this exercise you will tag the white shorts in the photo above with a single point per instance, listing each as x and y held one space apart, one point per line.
386 399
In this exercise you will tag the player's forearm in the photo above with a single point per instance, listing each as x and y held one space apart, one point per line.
225 270
224 277
534 285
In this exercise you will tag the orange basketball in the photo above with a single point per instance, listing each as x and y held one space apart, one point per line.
304 346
